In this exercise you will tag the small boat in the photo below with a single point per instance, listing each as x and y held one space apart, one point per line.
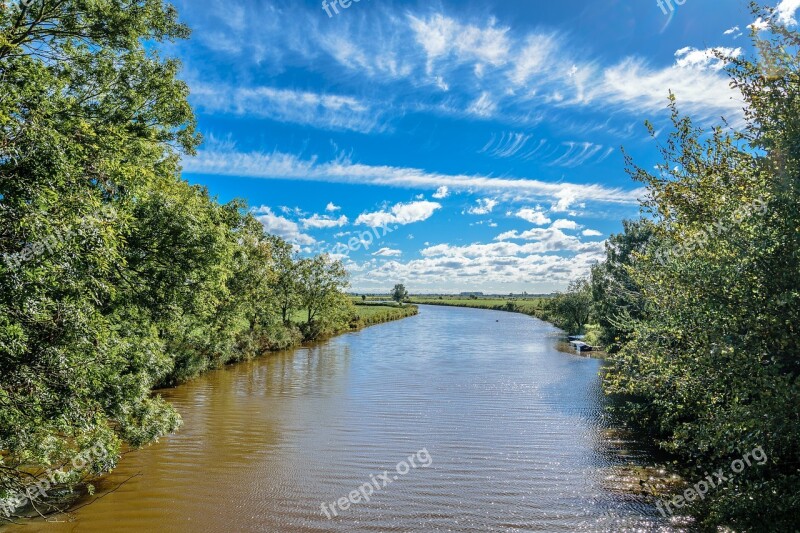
581 346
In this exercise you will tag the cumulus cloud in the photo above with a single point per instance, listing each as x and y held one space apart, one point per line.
484 207
591 233
388 252
552 261
324 222
281 226
332 208
441 193
534 216
400 214
563 223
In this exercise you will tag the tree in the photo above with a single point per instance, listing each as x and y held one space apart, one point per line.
93 125
116 275
321 285
285 283
617 298
399 293
710 368
572 308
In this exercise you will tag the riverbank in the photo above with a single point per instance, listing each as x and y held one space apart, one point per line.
370 314
366 314
534 306
58 497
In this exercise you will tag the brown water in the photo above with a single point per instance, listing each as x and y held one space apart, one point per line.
513 428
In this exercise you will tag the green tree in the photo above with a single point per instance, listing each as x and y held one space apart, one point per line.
399 293
617 298
572 308
710 369
321 285
116 275
93 124
286 281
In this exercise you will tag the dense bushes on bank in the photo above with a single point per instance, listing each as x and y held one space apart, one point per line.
116 275
701 298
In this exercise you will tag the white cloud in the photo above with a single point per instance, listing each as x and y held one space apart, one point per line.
282 227
443 37
536 58
388 252
700 91
327 111
563 223
731 31
534 216
577 154
400 214
542 241
591 233
484 207
490 70
483 106
492 272
278 165
786 11
332 208
758 25
441 193
324 221
507 145
552 261
693 57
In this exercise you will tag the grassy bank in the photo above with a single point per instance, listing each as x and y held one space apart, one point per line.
366 314
372 314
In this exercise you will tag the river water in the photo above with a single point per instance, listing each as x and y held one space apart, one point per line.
511 430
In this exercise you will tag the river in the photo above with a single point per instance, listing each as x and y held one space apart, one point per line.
511 431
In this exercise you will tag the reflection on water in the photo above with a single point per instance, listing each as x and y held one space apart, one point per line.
513 427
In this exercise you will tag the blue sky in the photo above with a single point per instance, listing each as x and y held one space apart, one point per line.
451 146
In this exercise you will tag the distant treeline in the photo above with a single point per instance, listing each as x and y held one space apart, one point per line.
116 276
700 298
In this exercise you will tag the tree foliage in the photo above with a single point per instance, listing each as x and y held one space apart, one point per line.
116 275
704 297
571 310
399 293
